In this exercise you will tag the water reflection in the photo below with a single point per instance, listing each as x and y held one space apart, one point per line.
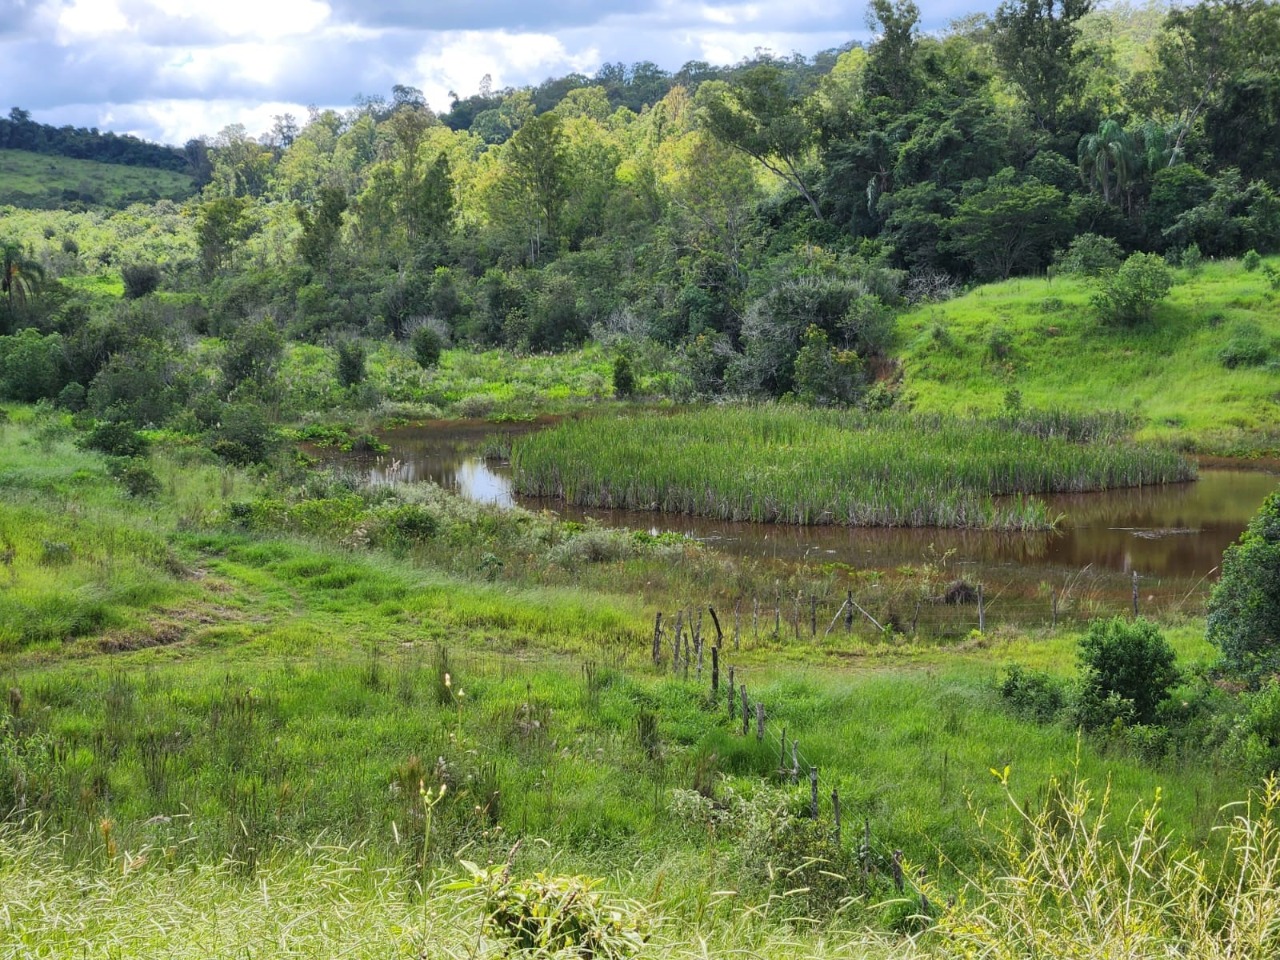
1178 530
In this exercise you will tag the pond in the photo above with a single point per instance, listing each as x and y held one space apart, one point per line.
1176 531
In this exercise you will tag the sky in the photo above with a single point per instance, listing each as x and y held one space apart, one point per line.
170 70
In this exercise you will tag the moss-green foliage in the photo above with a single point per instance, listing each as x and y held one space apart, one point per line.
1168 373
806 466
45 182
1129 661
1244 610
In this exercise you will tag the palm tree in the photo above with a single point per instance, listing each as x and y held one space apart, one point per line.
20 279
1107 160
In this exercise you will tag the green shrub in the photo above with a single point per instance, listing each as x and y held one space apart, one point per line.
136 477
624 378
999 343
140 279
244 435
407 523
1033 693
1192 259
1251 261
351 362
1090 255
1244 608
116 440
1129 295
561 916
1253 743
1129 661
427 346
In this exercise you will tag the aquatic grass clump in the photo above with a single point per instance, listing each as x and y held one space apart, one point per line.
796 465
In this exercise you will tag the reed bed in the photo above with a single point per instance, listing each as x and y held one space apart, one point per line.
795 465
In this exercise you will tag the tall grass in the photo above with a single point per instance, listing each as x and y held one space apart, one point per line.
794 465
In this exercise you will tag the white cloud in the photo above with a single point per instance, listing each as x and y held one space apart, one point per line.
90 19
456 60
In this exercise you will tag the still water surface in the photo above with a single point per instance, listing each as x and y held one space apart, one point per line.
1177 531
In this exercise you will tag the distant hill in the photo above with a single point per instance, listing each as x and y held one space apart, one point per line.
42 181
19 132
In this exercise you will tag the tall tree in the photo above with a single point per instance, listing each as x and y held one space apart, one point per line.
1036 44
538 173
759 116
20 279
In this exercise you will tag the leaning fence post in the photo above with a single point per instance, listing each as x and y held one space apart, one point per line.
715 670
716 622
759 721
657 638
835 808
813 793
982 612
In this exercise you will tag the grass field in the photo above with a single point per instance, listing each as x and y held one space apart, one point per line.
1041 338
50 182
233 740
797 465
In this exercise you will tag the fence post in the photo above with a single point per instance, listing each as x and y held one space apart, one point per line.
716 622
759 721
1055 608
732 693
675 645
746 712
782 757
813 616
715 671
982 612
848 614
795 763
1135 594
657 638
897 869
813 793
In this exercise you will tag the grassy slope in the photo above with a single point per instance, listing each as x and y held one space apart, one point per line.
1062 356
36 180
299 681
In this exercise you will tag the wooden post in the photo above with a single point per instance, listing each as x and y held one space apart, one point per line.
795 614
777 611
813 616
697 632
760 721
716 623
897 869
1055 608
755 618
982 612
732 693
1135 594
715 671
813 793
699 661
782 757
795 763
657 638
848 616
746 711
675 645
835 809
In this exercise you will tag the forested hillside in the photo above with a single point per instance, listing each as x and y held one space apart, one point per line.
763 222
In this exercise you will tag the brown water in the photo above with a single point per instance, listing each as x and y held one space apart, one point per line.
1177 531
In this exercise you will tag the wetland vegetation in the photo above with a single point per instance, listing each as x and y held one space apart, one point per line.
269 691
